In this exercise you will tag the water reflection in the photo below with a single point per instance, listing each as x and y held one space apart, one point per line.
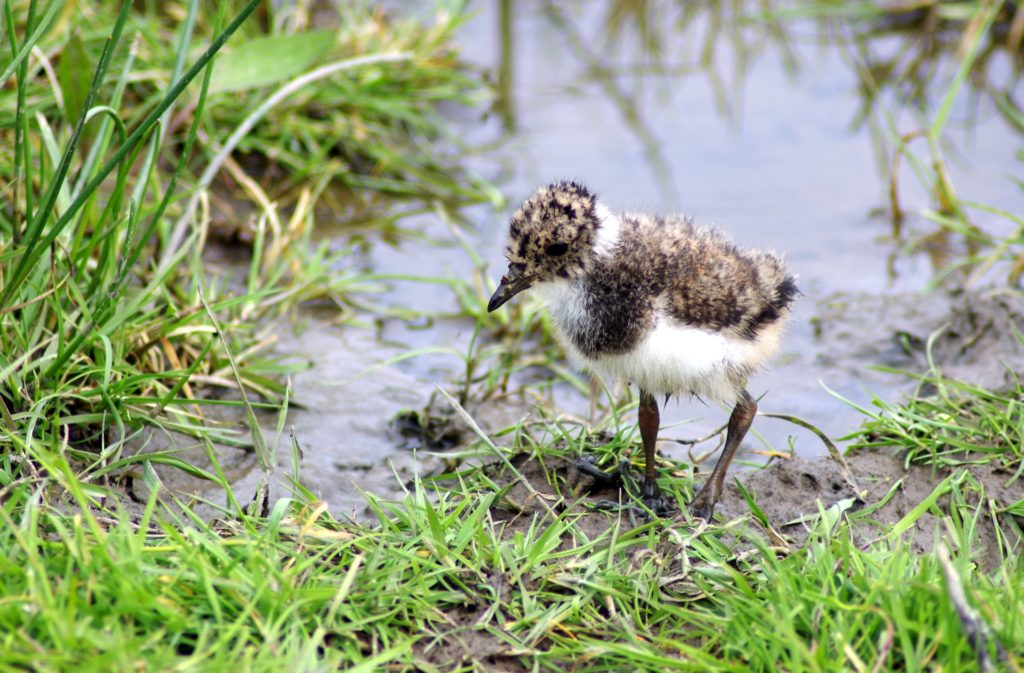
902 54
504 102
913 57
631 52
903 61
912 52
599 71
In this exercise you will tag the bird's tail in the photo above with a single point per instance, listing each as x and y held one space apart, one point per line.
778 286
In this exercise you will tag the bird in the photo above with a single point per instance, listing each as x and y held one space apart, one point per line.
659 301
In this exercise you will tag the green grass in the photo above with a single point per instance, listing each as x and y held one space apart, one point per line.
112 318
951 423
455 576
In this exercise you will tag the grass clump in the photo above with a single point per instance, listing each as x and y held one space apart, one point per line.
949 423
369 121
97 337
835 605
453 578
111 313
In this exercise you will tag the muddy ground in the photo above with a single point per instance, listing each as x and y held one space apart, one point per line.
971 335
788 491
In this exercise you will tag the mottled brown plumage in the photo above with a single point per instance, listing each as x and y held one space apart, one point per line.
658 301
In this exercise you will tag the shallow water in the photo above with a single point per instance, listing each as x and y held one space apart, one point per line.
760 140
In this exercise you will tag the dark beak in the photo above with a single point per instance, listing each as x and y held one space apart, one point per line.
511 285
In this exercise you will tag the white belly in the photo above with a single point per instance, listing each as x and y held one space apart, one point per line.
673 358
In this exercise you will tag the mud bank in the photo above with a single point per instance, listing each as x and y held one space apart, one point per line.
789 492
968 335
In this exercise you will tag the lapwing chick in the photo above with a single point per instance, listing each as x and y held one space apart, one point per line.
658 301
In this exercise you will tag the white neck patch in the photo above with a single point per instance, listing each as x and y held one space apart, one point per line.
608 232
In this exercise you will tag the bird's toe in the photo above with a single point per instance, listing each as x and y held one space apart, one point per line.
587 466
653 499
702 506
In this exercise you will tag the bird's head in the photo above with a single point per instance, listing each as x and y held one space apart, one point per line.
550 237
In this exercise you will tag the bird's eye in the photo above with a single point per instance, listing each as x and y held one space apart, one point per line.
557 249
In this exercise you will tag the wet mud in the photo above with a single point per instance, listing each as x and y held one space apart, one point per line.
790 493
971 336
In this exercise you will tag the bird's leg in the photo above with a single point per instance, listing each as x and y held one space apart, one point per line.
649 419
703 504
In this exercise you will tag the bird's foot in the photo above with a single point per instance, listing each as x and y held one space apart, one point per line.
614 478
655 501
650 495
703 504
617 478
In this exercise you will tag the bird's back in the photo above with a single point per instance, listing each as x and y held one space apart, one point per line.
705 280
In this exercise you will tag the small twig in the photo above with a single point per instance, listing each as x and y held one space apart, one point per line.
698 459
701 440
885 640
